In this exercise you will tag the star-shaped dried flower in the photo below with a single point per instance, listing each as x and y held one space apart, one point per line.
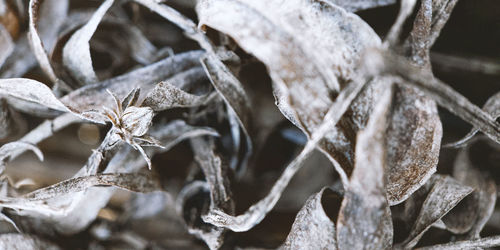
131 122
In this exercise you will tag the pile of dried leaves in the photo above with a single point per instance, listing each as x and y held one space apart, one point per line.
241 124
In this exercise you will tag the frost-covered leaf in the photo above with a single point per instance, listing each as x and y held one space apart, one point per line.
413 140
11 123
217 180
36 201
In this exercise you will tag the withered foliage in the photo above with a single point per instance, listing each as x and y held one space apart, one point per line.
291 124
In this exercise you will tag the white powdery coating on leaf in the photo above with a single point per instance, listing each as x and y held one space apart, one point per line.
76 52
312 228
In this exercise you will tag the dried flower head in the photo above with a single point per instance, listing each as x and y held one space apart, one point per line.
131 122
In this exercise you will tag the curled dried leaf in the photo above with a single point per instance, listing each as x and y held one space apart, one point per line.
76 52
166 96
492 107
313 228
358 5
476 209
444 95
6 45
44 21
364 220
94 96
235 97
487 242
444 195
25 241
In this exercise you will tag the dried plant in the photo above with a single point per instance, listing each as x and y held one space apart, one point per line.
247 114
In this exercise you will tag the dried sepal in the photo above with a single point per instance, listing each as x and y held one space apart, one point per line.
130 123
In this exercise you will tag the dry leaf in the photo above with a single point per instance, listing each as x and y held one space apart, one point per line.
444 195
475 210
76 52
313 228
364 220
25 241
